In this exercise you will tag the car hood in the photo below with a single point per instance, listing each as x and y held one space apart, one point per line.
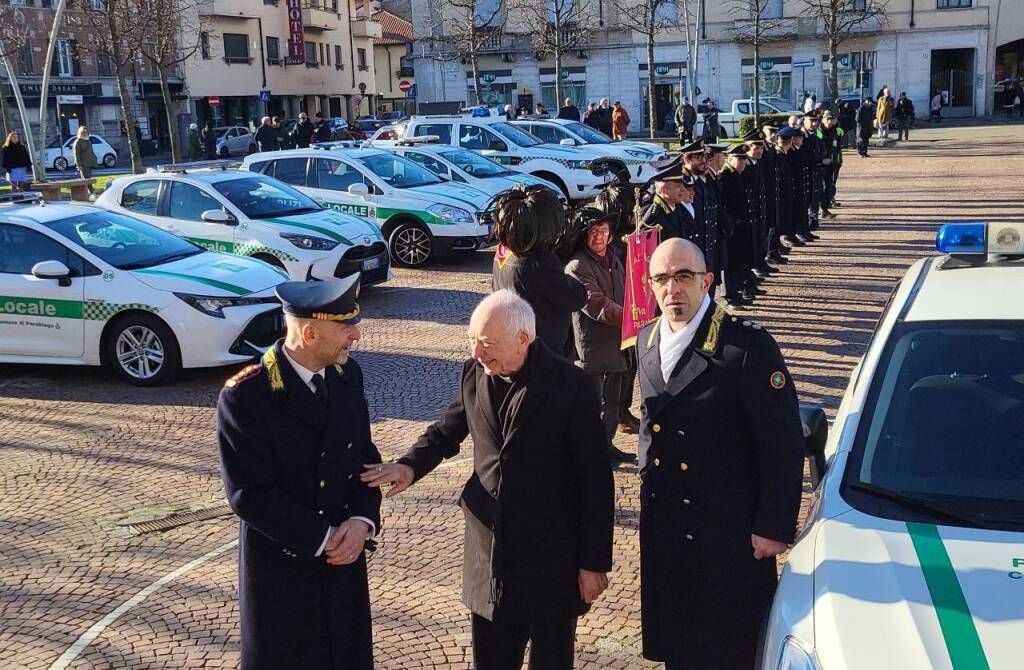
495 185
558 152
338 226
906 595
623 149
214 274
448 193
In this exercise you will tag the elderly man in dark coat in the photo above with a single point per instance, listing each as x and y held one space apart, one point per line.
294 433
721 466
539 505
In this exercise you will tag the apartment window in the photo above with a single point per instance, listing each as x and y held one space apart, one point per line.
320 48
236 48
667 13
99 5
311 60
204 45
65 59
103 68
18 3
361 60
270 2
360 9
565 10
327 52
488 13
273 51
332 5
772 10
955 4
338 64
25 58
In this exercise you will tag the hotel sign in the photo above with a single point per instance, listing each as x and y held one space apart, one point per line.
296 37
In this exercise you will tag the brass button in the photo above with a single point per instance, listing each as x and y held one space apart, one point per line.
681 433
684 466
686 501
350 476
689 537
655 428
320 512
349 446
322 454
657 461
323 483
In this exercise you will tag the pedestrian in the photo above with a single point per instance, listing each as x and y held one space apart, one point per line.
569 111
85 156
527 225
884 112
540 112
597 328
539 506
322 129
16 162
509 112
712 131
589 117
210 140
1018 99
284 139
936 107
904 114
808 103
604 117
686 119
620 121
721 459
195 143
293 430
267 136
302 133
865 126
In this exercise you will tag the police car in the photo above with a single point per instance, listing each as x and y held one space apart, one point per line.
466 167
579 173
242 213
629 159
419 214
80 285
912 556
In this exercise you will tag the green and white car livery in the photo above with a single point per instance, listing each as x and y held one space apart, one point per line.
419 214
80 285
238 212
912 556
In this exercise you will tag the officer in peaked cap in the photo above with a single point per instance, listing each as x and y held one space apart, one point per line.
672 206
294 436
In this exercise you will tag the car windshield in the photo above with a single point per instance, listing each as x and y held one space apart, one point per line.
399 172
588 134
261 197
515 135
474 164
943 426
124 242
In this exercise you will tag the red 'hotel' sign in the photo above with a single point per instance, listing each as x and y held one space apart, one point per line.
296 41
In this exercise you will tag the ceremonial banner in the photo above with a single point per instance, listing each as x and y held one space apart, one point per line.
296 38
640 307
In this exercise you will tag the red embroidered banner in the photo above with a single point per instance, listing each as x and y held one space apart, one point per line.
296 37
639 307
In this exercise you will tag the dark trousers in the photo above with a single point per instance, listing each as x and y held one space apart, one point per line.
904 129
609 392
862 144
501 645
686 134
628 381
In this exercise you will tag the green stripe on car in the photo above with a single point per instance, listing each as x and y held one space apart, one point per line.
386 213
323 231
955 620
224 286
90 310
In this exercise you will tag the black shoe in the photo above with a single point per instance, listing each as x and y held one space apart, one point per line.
836 203
766 269
776 259
827 214
810 237
738 300
794 241
618 456
754 278
752 291
803 238
760 274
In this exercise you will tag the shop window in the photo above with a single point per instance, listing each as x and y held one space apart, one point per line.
236 48
577 90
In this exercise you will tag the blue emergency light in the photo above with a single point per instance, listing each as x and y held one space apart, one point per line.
961 239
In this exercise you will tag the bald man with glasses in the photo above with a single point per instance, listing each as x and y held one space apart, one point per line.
721 465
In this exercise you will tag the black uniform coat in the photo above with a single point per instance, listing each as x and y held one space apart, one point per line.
737 204
720 458
540 502
674 221
709 238
786 193
291 469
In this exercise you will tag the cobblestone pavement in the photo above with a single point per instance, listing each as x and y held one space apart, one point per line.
84 455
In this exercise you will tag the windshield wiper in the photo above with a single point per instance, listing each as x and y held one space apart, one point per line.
287 212
919 504
159 260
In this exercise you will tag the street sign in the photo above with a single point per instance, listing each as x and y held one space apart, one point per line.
661 70
404 86
766 64
411 93
69 99
265 95
213 101
804 63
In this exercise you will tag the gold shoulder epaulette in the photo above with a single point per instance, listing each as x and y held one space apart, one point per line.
273 369
711 341
247 372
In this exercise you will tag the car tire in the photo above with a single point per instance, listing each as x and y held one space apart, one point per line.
60 163
224 153
557 181
410 245
253 149
142 350
110 160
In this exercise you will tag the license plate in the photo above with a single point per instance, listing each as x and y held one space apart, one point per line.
370 264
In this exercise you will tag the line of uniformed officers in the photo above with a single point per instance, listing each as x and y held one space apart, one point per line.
746 205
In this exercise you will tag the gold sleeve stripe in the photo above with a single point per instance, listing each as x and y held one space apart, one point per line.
324 316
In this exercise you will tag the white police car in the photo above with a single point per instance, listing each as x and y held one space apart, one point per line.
419 214
913 552
627 158
579 173
239 212
80 285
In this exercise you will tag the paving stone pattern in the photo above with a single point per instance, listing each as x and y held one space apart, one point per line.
83 454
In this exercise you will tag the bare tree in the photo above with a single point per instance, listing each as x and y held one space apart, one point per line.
755 27
13 38
649 18
841 19
464 29
175 37
556 27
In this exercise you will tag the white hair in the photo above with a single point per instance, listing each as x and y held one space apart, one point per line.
517 311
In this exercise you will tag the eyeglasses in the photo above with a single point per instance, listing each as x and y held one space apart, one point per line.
681 277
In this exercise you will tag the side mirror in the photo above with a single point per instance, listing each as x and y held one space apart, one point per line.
567 142
815 426
52 270
497 146
219 216
358 189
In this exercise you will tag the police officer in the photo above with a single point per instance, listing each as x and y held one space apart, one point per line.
713 224
740 202
788 167
771 177
672 207
721 461
755 181
294 436
813 154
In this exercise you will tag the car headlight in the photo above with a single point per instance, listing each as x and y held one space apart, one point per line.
796 655
451 214
214 305
638 154
579 165
313 242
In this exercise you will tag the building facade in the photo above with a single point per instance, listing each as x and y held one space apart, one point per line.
956 47
392 65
